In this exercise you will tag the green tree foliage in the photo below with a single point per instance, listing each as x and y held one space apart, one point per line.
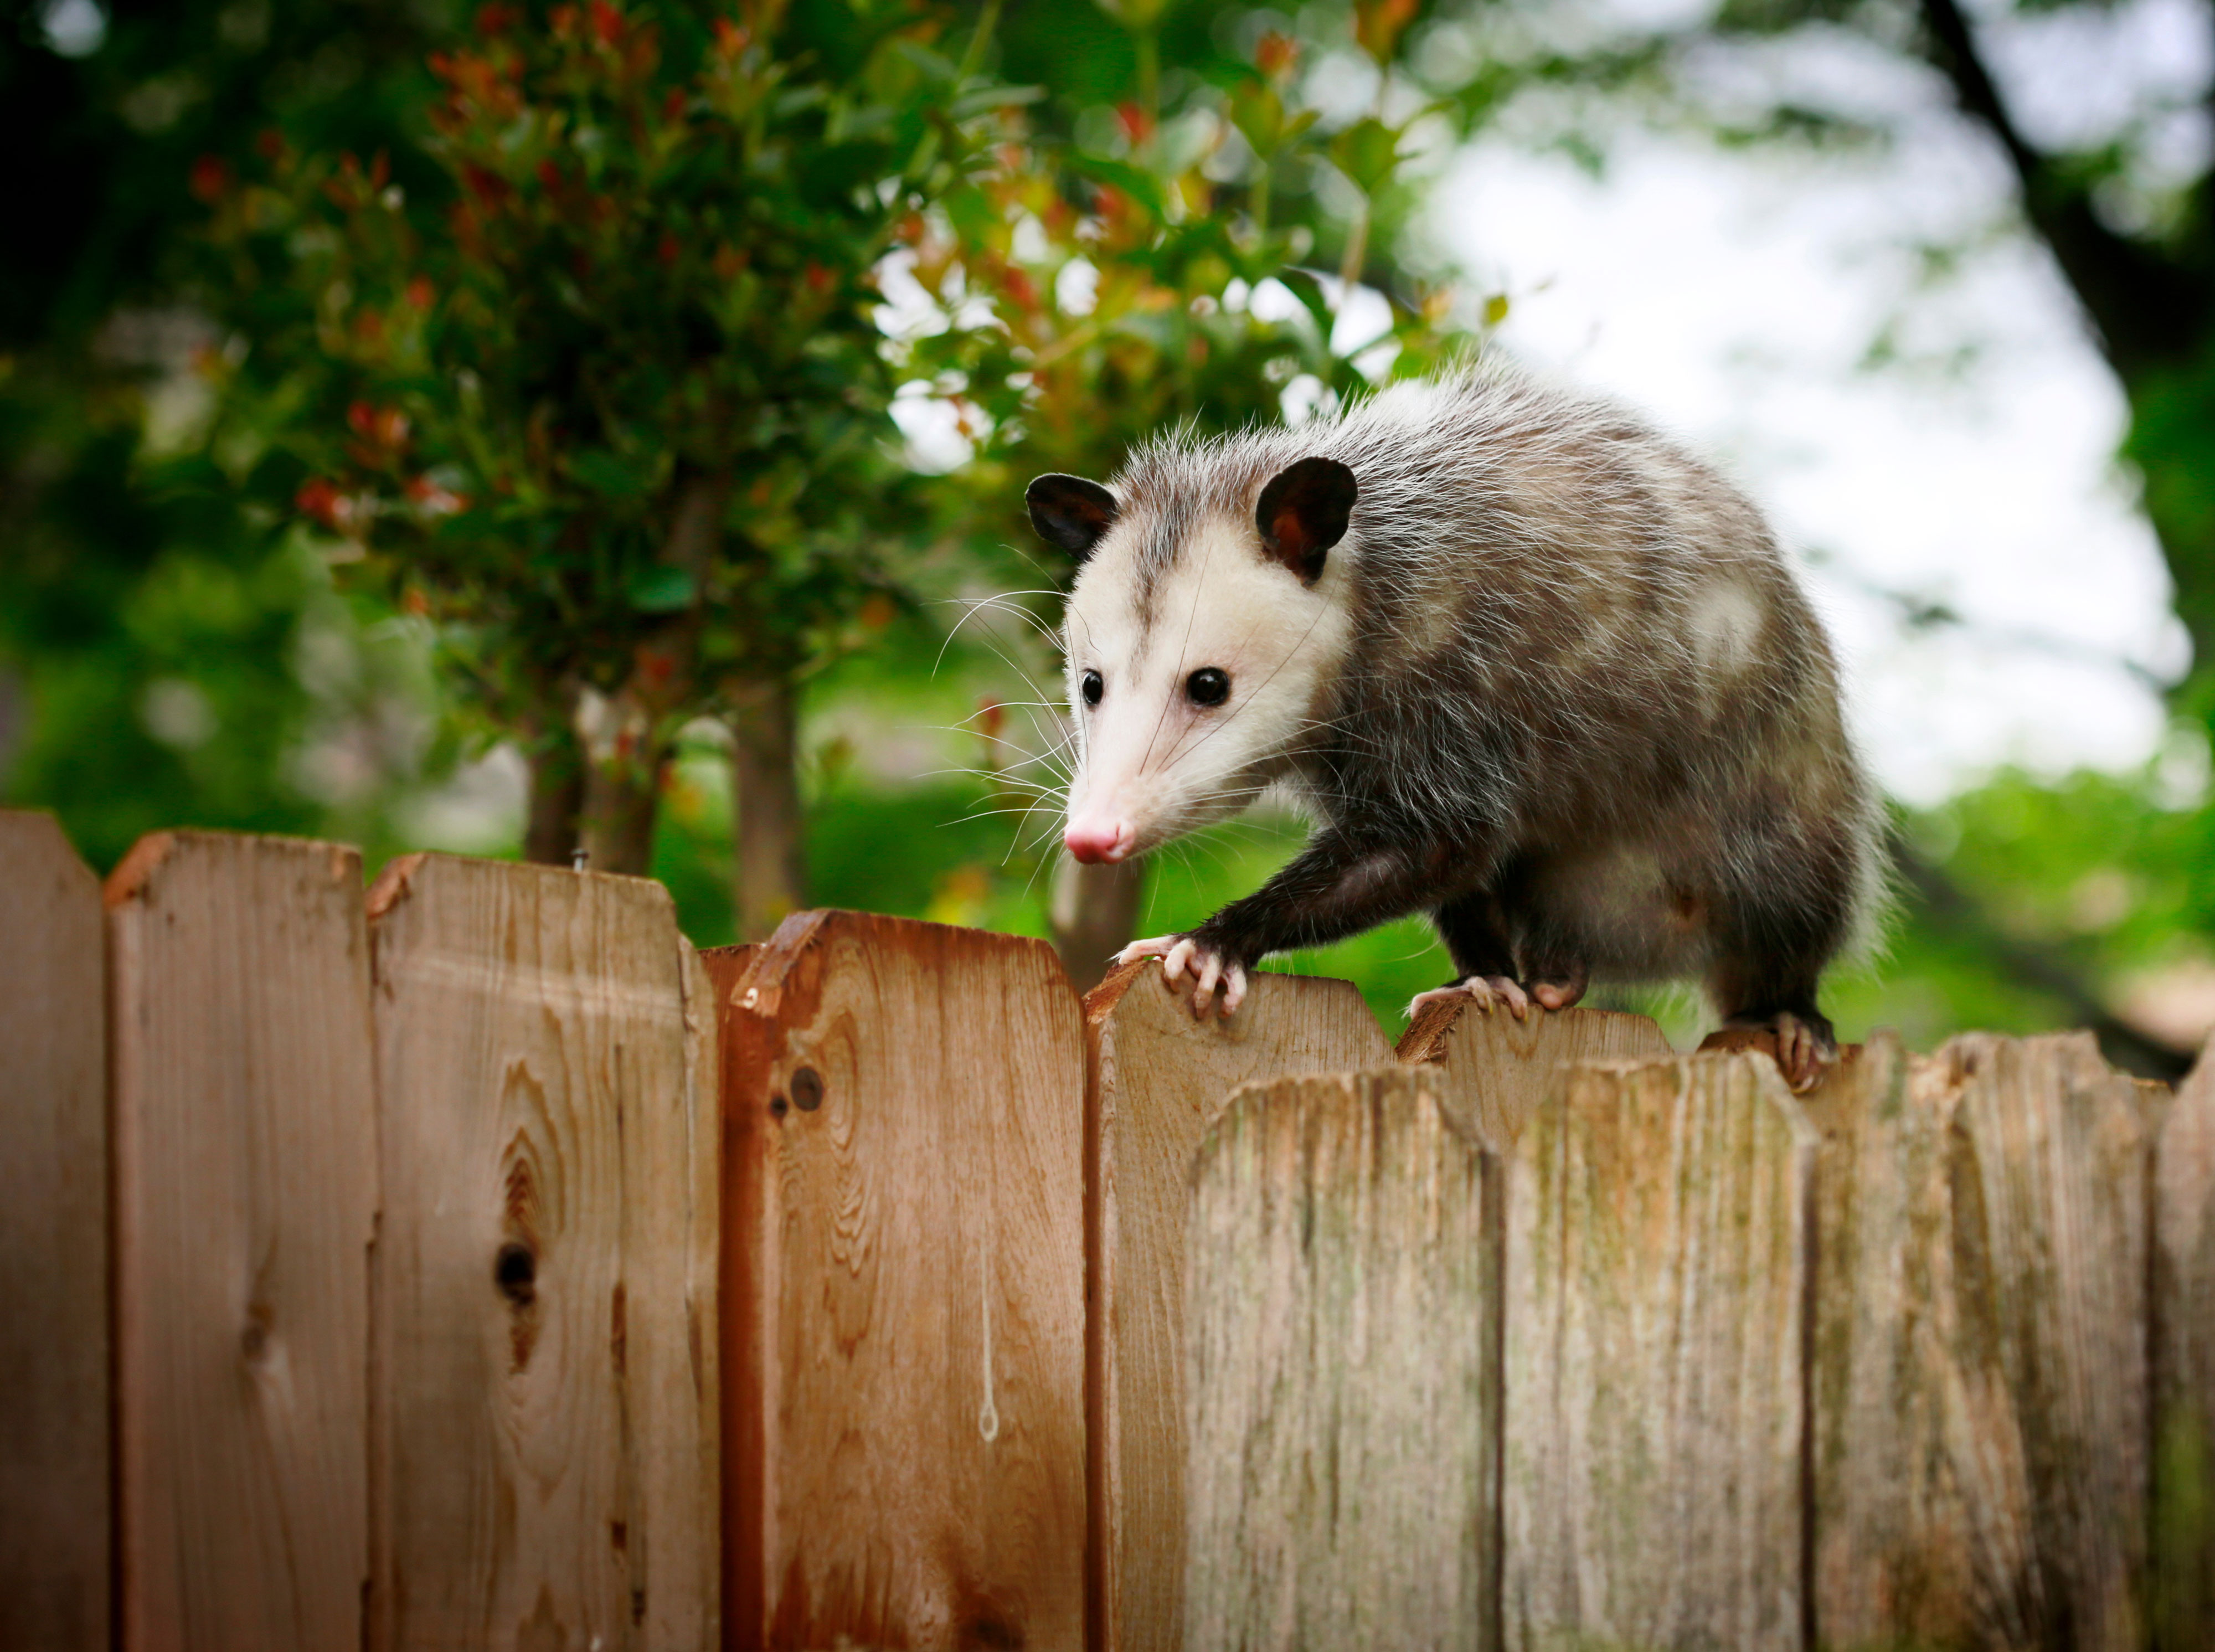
167 652
610 404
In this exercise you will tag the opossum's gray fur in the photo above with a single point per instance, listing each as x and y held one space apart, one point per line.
1568 629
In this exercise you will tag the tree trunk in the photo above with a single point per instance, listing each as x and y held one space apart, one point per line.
771 871
553 828
1095 911
621 798
624 759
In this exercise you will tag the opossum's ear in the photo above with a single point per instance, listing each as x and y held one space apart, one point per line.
1302 514
1070 512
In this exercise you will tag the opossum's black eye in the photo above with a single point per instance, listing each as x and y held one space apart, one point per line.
1207 686
1093 688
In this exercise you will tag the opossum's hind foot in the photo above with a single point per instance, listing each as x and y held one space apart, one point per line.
1209 967
1558 986
1482 990
1805 1044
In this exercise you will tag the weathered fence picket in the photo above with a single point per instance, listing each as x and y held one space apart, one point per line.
2048 1172
245 1164
54 1506
1658 1257
1891 1566
1158 1078
1342 1370
903 1288
544 1450
2183 1352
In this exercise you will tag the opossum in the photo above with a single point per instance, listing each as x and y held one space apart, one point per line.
1527 664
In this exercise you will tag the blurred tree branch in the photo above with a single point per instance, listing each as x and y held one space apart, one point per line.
2150 309
2041 967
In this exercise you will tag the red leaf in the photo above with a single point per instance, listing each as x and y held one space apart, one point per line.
318 499
491 189
211 179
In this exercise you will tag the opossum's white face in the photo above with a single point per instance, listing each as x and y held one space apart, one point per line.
1190 692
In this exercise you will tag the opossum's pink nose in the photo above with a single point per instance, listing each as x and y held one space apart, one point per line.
1096 841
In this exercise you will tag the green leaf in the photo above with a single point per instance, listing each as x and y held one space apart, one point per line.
1134 181
659 588
995 97
1366 151
607 473
1259 114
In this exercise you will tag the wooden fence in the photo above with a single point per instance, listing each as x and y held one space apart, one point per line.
469 1264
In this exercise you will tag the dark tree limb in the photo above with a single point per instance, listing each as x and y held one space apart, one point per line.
2041 968
2149 310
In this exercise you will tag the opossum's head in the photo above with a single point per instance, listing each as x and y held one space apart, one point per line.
1199 641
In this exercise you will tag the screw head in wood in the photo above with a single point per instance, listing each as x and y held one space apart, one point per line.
807 1090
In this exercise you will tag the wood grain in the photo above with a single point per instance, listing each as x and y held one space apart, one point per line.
1494 1070
1892 1559
2184 1367
1659 1230
903 1289
544 1441
53 1244
2048 1171
245 1162
1343 1346
1157 1080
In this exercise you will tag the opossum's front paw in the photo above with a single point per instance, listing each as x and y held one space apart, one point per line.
1482 990
1209 968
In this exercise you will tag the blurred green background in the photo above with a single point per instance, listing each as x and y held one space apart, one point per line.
187 638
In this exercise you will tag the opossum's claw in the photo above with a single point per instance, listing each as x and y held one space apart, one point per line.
1159 947
1213 969
1482 990
1203 991
1800 1053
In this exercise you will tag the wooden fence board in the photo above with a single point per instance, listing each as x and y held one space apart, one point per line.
245 1164
53 1244
1494 1070
1343 1362
1659 1228
543 1454
2047 1173
2184 1367
904 1306
1893 1564
1158 1079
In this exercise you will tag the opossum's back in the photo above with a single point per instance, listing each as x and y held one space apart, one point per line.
1570 618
